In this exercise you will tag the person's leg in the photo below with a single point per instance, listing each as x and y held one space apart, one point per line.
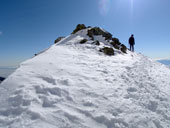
130 47
133 48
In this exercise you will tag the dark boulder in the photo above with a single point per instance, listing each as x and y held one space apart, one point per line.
1 79
78 28
115 45
58 39
116 41
83 41
96 42
123 48
107 51
98 31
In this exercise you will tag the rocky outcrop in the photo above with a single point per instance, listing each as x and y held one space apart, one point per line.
107 51
58 39
1 79
83 41
98 31
91 35
117 45
78 28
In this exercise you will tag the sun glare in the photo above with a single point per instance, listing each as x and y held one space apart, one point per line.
104 6
132 2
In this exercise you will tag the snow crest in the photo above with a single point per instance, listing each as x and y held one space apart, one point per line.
72 85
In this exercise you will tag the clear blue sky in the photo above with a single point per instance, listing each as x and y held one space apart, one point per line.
29 26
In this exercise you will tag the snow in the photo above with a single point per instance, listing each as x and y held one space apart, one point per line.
72 85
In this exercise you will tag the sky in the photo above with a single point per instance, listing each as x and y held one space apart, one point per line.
29 26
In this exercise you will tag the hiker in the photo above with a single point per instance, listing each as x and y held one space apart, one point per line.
131 43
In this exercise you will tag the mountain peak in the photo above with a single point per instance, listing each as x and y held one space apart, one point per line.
95 36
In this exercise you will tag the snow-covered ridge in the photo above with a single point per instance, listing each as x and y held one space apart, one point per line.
103 40
73 85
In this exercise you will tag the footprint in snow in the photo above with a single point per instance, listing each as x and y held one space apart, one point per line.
131 89
49 80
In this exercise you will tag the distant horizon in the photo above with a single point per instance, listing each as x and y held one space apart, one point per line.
6 71
28 27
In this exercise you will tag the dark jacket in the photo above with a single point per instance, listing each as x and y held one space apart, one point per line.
131 40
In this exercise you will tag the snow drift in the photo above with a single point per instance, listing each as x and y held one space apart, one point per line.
73 85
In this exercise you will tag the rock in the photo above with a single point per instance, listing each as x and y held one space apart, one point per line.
78 28
123 48
83 41
96 42
115 45
1 79
116 41
58 39
107 51
97 31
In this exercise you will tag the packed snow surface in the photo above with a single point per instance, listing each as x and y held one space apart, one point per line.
72 85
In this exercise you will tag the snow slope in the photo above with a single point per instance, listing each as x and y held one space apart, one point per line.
72 85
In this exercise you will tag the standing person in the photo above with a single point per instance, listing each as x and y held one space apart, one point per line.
131 43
